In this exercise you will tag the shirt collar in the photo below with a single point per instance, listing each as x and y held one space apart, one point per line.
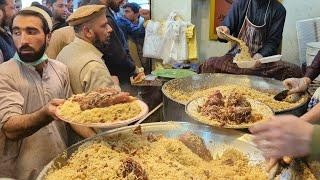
90 46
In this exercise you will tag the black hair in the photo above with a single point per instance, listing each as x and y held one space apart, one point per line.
45 25
45 8
3 2
83 2
78 28
134 7
51 1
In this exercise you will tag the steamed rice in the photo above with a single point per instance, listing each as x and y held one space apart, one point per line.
266 98
163 159
72 112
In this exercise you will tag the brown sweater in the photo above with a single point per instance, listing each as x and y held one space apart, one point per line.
313 70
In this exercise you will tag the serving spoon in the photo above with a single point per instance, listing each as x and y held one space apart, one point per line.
285 96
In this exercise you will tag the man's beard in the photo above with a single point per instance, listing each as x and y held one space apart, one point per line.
31 57
61 19
101 46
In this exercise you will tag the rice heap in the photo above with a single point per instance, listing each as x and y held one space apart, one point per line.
104 105
72 111
266 98
244 54
155 157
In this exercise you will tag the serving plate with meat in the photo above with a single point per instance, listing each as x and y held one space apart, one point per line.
103 108
232 111
167 150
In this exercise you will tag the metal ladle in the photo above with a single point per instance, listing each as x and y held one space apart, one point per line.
285 96
231 38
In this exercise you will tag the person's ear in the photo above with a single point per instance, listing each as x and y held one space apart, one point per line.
48 38
88 33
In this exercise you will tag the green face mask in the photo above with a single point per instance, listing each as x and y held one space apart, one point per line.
35 63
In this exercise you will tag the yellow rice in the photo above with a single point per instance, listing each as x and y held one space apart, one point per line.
71 111
163 159
266 98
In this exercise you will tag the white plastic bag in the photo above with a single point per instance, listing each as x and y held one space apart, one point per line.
175 47
153 40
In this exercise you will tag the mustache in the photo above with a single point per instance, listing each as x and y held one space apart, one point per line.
26 48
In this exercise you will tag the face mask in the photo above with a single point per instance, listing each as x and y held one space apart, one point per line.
35 63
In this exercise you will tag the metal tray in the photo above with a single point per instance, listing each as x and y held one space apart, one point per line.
216 140
174 110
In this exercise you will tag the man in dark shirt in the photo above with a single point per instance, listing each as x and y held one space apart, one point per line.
116 54
59 11
7 49
259 23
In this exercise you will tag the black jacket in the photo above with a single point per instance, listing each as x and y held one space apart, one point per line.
116 54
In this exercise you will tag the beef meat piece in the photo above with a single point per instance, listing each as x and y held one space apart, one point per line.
238 108
215 112
235 108
104 101
215 99
239 114
101 98
131 166
236 99
137 130
109 91
196 145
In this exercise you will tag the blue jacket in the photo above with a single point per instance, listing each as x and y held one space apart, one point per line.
135 31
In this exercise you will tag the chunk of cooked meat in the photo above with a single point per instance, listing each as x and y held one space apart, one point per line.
101 98
239 114
130 166
196 145
137 130
110 91
153 138
216 99
214 112
234 109
237 99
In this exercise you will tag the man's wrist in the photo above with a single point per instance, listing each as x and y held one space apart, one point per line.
44 115
307 80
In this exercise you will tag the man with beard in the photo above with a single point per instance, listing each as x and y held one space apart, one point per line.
259 23
116 55
31 88
82 56
59 11
6 43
